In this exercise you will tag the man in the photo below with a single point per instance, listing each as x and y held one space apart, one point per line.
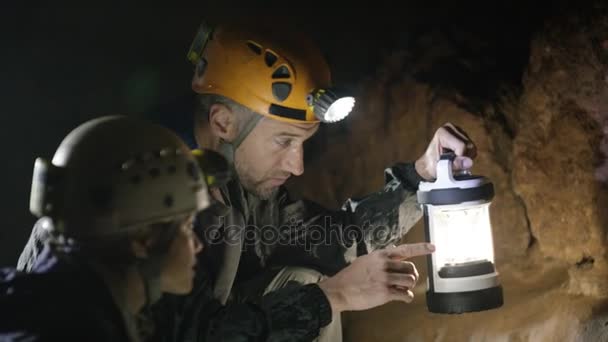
118 210
256 112
264 90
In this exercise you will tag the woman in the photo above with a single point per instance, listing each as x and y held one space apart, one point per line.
119 201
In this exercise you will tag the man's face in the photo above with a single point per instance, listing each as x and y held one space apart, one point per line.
270 154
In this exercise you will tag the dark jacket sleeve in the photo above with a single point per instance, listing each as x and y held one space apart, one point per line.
293 313
328 240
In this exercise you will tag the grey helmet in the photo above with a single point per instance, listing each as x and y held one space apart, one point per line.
115 173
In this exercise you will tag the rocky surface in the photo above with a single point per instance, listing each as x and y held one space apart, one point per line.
544 146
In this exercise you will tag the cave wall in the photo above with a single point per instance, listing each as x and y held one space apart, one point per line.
544 146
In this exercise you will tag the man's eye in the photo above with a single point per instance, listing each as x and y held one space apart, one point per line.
283 142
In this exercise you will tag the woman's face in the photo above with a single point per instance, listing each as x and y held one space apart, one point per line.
179 269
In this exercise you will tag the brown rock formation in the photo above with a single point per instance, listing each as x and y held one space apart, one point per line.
545 150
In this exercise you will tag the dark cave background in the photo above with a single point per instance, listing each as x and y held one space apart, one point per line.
63 63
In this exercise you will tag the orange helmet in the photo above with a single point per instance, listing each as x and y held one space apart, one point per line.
272 71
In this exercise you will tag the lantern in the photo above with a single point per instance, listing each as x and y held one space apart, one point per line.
462 276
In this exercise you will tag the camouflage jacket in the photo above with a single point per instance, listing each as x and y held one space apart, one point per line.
247 238
247 241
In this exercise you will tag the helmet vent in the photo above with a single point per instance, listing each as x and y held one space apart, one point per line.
257 49
270 58
101 196
281 90
168 201
154 172
281 72
135 179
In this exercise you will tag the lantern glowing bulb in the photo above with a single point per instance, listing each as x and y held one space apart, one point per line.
462 231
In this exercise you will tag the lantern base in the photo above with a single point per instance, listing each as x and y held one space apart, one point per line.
461 302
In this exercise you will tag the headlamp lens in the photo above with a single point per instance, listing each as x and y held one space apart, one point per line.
339 109
329 107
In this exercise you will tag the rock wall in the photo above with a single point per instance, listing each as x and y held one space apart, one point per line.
545 149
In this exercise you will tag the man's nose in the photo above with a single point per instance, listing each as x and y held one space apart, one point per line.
294 161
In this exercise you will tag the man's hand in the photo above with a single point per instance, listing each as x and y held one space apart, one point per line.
447 137
375 279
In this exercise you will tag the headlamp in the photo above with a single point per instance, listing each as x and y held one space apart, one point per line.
329 105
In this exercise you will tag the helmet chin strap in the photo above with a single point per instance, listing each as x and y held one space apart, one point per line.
227 149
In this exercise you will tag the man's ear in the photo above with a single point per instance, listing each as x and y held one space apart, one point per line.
223 122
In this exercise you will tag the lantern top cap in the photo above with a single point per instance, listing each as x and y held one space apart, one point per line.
454 189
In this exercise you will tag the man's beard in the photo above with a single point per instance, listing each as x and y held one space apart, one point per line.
256 188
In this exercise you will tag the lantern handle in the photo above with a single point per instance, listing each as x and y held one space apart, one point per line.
444 166
448 154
